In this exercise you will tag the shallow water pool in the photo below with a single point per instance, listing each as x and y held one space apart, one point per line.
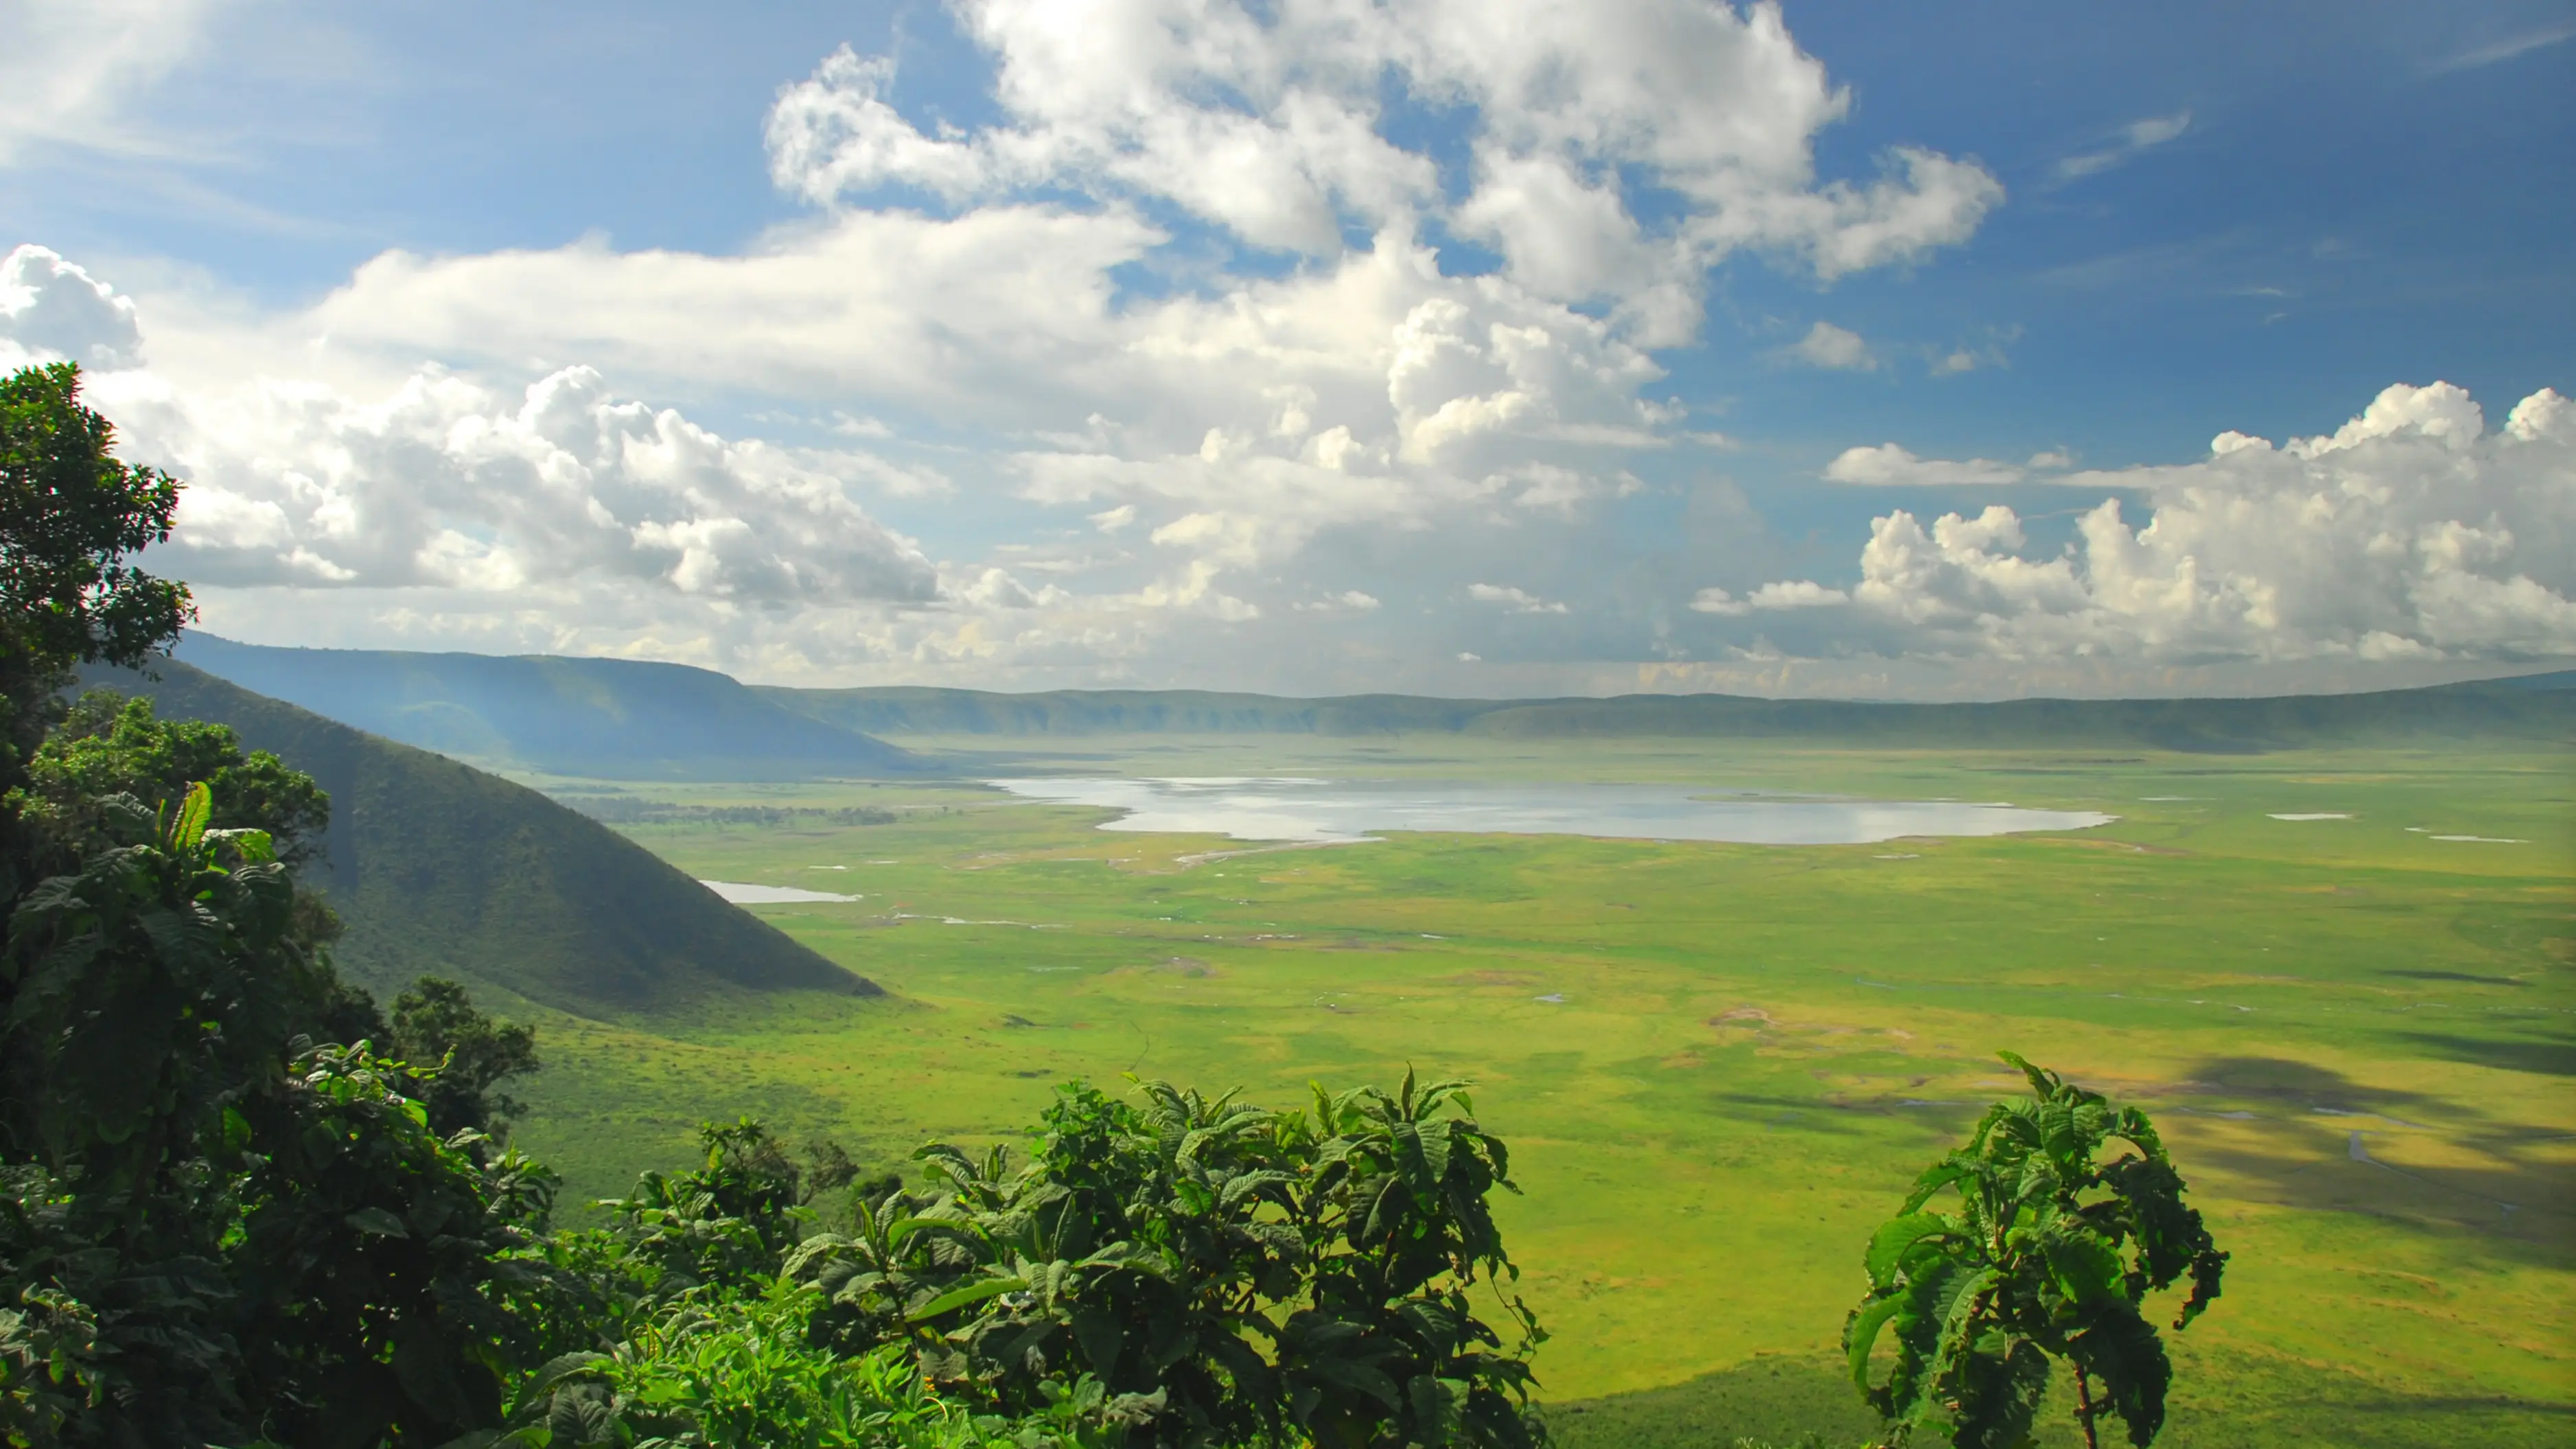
1298 809
743 893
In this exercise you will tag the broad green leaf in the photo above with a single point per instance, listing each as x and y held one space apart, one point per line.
190 826
379 1222
972 1293
1887 1246
1101 1340
1860 1335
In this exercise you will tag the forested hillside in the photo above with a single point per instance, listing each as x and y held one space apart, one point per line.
2532 708
613 719
442 869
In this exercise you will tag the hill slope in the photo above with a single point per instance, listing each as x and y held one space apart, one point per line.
439 867
613 719
2538 709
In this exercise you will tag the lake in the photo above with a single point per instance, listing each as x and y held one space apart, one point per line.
1338 811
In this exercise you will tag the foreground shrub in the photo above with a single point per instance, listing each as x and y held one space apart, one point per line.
2049 1253
1226 1274
211 1229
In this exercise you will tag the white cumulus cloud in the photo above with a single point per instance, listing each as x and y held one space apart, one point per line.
447 483
1888 465
2411 532
53 310
1519 601
1827 345
1264 121
1786 594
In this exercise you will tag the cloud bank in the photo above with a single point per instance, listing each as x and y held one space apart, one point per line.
2411 532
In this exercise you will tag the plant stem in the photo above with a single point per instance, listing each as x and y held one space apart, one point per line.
2084 1406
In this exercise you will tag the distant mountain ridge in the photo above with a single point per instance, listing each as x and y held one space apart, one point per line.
437 867
613 719
625 719
2536 708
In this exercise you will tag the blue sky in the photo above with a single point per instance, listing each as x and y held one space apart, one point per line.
332 250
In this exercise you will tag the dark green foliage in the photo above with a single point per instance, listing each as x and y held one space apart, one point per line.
1180 1271
108 745
1231 1274
376 1260
439 869
145 992
71 516
722 1226
210 1229
436 1025
217 1227
2050 1253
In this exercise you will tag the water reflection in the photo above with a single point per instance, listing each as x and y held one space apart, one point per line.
1327 811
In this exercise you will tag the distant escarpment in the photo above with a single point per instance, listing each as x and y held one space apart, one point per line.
607 719
2539 709
440 868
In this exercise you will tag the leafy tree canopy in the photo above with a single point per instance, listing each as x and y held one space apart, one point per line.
210 1225
436 1025
71 517
2047 1251
1227 1274
107 745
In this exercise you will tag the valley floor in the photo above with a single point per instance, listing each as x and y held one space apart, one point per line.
1719 1066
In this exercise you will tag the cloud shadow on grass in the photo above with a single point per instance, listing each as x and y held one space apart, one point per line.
2514 1194
2538 1056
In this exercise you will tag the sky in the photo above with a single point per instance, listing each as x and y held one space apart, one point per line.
1468 347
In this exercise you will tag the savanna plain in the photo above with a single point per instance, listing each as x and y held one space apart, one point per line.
1719 1066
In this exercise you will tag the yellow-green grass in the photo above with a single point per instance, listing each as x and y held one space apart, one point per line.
2357 1038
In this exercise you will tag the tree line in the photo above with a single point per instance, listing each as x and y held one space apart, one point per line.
240 1203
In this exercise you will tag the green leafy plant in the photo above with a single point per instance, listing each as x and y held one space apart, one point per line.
1228 1273
108 745
2048 1252
375 1260
739 1372
210 1223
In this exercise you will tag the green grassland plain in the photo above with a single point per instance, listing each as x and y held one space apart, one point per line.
1718 1066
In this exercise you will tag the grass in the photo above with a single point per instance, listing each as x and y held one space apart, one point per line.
2356 1037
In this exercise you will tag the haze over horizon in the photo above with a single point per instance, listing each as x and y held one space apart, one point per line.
1499 349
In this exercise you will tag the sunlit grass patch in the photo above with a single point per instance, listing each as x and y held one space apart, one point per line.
1719 1064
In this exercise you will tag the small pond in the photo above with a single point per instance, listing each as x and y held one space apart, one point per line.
743 893
1335 811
